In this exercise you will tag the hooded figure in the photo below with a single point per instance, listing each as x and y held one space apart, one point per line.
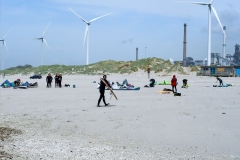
174 83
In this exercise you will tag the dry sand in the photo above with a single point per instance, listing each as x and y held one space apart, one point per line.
64 123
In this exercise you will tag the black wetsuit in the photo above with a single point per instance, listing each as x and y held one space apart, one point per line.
49 81
17 83
152 81
220 81
102 91
60 81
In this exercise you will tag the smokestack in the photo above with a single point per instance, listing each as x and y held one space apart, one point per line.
136 54
224 47
185 45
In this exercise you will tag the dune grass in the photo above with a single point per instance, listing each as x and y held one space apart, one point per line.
99 68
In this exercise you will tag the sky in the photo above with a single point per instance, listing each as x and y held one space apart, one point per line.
154 26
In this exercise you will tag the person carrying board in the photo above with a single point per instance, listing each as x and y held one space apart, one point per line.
102 91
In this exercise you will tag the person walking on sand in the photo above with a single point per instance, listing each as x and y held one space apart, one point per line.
220 81
174 84
49 80
102 91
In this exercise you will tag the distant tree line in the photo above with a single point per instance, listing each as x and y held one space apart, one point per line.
20 67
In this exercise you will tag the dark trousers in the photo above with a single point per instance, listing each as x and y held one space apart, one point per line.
101 97
60 83
220 83
16 84
175 88
56 84
49 84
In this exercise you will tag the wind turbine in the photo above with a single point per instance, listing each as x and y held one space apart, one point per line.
43 41
210 8
86 37
4 45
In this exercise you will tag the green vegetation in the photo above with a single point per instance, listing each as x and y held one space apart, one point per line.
194 68
103 67
176 68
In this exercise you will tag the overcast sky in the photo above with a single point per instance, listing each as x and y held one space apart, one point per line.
155 24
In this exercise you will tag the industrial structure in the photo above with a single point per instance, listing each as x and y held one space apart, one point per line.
236 56
231 69
136 54
229 60
185 45
224 46
222 71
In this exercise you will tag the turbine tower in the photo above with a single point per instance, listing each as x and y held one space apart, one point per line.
43 41
86 37
4 45
210 9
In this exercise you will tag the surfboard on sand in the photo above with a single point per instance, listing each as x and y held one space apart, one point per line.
109 88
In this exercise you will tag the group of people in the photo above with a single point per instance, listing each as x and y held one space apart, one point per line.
57 78
174 84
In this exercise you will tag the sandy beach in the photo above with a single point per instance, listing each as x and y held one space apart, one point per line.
65 123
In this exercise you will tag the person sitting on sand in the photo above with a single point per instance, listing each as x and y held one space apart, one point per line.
49 80
174 84
17 82
152 82
102 91
220 81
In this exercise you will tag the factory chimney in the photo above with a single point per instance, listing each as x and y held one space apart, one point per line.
136 54
185 45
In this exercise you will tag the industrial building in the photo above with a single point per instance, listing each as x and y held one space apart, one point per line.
221 71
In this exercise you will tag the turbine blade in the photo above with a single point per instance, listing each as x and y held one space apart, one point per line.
46 44
86 33
46 29
199 3
5 44
216 15
211 1
99 17
7 33
78 15
36 39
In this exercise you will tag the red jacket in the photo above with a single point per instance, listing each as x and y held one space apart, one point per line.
174 81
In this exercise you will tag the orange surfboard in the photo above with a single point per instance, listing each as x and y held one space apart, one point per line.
109 88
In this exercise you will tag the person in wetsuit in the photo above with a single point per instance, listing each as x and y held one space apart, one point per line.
102 91
17 82
60 80
56 80
49 80
220 81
